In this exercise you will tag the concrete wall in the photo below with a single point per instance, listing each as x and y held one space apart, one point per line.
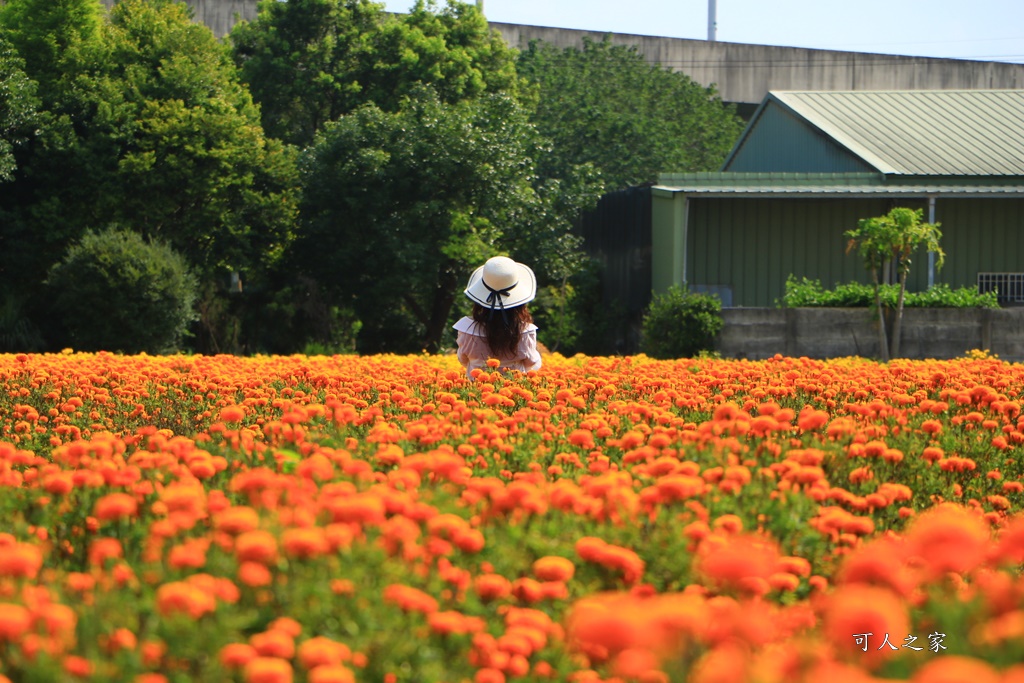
758 333
743 73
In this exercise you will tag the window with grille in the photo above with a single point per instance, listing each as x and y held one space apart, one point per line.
1008 286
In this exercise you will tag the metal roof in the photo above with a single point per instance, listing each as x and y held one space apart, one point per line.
736 184
918 132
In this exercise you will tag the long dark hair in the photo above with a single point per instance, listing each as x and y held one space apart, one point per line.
502 327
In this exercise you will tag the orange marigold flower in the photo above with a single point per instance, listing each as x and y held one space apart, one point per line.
115 506
811 420
634 663
77 666
489 675
949 538
22 560
491 586
410 599
179 597
733 559
593 549
554 568
855 610
237 655
150 678
232 414
452 622
268 670
122 639
236 520
582 438
254 574
273 643
103 549
286 624
956 669
304 542
321 651
331 673
256 546
14 621
57 620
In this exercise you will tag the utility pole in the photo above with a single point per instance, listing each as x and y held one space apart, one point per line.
712 19
480 5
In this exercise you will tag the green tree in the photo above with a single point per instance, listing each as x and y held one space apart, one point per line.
893 239
301 60
149 127
308 62
18 108
452 49
604 104
56 41
400 206
116 291
54 37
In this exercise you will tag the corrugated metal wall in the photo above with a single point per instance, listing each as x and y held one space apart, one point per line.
617 234
781 142
979 235
752 245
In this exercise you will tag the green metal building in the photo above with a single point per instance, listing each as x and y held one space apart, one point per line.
811 164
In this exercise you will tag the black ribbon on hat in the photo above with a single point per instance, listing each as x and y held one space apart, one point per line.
496 294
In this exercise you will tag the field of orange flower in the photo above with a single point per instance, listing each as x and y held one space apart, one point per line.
339 519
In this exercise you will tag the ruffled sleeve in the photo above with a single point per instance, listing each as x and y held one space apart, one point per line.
527 349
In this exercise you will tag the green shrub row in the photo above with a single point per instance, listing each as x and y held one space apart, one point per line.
806 293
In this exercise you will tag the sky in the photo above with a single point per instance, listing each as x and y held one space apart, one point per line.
987 30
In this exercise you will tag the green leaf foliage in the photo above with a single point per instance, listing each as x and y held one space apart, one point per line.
18 108
805 292
154 130
308 62
116 291
399 207
56 38
680 324
605 105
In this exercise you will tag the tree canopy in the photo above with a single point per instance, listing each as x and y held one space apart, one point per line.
400 206
605 105
308 62
151 129
18 107
892 240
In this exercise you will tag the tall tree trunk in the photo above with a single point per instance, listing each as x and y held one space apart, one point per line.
897 324
883 344
441 307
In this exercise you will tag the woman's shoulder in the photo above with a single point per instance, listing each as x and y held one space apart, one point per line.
469 326
530 328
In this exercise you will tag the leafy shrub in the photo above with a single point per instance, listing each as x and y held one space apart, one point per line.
809 293
118 292
680 323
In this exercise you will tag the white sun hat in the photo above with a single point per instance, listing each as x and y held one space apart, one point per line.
502 283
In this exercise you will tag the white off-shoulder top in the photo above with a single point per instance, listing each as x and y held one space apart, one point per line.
473 349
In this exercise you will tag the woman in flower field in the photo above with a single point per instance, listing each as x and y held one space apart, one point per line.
501 327
384 518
